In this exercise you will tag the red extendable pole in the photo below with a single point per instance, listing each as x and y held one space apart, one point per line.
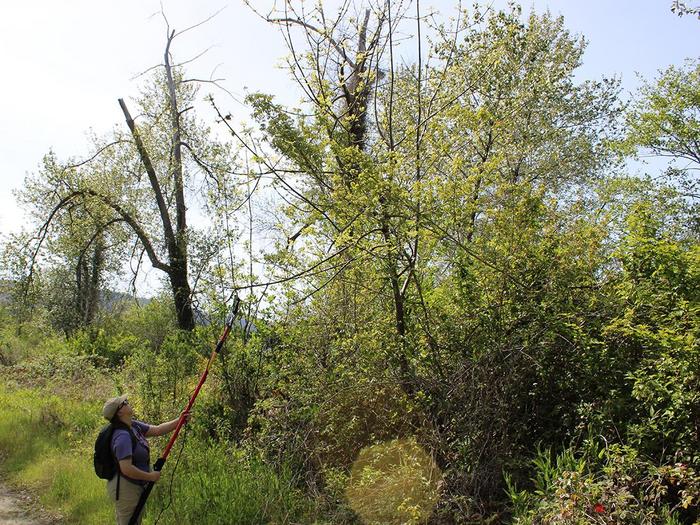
202 379
181 421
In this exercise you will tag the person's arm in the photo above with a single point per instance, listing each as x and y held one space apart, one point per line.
166 428
128 469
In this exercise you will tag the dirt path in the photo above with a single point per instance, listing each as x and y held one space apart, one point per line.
19 507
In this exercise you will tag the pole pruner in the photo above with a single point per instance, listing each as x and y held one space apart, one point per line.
181 421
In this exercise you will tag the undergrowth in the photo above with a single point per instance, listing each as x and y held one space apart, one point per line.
46 445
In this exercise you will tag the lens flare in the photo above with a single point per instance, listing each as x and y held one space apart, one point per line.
394 483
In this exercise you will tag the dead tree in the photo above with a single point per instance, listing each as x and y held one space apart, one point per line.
157 222
175 237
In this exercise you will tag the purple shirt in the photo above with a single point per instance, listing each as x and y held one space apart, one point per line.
122 448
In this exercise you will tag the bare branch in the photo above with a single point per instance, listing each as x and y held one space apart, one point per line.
177 174
201 23
184 63
72 166
323 33
146 71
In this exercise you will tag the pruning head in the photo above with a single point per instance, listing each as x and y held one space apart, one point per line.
234 311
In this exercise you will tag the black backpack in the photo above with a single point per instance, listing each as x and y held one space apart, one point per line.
105 464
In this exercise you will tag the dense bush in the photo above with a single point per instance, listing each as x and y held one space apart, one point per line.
606 484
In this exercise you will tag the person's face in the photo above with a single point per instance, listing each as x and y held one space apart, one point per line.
125 410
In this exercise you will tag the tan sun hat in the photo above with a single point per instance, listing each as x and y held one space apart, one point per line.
112 405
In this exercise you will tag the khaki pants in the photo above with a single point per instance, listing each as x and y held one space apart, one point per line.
129 494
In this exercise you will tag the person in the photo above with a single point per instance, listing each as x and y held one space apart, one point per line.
132 455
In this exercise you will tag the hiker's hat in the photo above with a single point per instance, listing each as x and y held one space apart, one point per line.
112 405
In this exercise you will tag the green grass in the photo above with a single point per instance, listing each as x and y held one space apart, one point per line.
214 484
46 445
67 483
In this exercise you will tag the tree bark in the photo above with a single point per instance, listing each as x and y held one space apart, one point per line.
182 294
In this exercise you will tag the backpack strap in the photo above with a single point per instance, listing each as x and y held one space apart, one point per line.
119 478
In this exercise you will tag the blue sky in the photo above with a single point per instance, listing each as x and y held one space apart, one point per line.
66 63
628 37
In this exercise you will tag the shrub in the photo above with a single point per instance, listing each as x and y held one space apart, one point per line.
161 379
610 485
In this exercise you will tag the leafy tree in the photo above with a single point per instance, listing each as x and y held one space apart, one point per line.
664 121
82 247
140 181
454 249
654 334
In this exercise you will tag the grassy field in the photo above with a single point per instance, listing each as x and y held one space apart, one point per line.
46 445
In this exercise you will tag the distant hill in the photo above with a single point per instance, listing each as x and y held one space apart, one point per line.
110 300
113 301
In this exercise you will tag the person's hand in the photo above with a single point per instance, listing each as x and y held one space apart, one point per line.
155 476
186 415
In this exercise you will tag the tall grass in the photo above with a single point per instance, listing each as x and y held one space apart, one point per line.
46 444
214 484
